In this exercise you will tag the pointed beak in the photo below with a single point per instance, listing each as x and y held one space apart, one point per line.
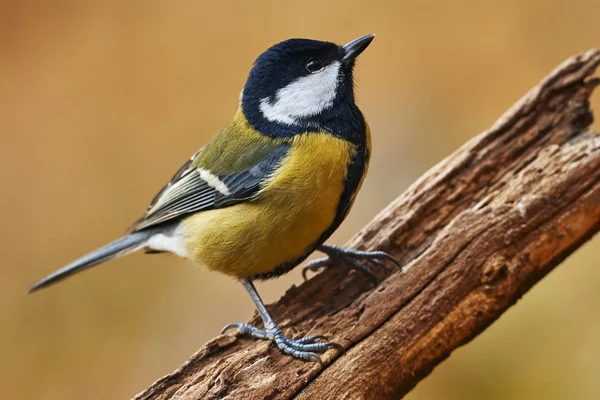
357 46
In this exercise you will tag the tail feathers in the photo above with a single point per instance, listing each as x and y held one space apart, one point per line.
120 247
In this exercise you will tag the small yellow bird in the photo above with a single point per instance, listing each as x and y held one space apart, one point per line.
271 186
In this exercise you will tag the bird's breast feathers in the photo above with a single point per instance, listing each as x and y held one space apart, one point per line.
296 204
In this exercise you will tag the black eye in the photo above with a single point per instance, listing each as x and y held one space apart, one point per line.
314 65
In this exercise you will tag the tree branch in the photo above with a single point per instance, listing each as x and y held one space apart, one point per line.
474 233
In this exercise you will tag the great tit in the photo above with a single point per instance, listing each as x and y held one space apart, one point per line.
271 186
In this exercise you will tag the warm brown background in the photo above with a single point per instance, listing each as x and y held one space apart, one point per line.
101 101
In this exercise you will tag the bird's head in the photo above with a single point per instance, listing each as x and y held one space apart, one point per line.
303 84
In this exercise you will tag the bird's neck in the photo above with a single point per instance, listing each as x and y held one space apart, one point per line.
343 120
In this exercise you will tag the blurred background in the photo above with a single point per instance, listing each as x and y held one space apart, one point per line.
101 102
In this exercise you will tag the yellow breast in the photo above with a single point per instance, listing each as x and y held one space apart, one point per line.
291 212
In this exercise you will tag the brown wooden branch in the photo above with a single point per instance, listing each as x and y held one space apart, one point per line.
474 233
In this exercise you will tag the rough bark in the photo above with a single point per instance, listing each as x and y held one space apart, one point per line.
474 233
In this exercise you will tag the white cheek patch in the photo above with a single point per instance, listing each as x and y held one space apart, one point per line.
304 97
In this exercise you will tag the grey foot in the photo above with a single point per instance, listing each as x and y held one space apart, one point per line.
352 258
305 348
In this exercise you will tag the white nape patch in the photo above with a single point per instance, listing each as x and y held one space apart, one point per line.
213 181
304 97
172 243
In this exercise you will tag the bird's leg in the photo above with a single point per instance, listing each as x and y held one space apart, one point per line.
305 348
350 257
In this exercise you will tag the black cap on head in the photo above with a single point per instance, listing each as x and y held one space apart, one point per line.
302 83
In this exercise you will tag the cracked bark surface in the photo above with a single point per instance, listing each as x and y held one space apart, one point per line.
474 233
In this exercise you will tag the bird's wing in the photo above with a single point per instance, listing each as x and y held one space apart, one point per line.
230 169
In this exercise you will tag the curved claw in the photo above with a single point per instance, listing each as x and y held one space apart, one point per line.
315 266
315 357
383 254
337 346
232 325
304 271
246 329
378 263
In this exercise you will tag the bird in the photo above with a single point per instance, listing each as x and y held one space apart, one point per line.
270 187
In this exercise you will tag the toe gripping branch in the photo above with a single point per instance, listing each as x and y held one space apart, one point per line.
305 348
355 259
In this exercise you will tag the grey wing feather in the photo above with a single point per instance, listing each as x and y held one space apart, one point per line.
188 192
